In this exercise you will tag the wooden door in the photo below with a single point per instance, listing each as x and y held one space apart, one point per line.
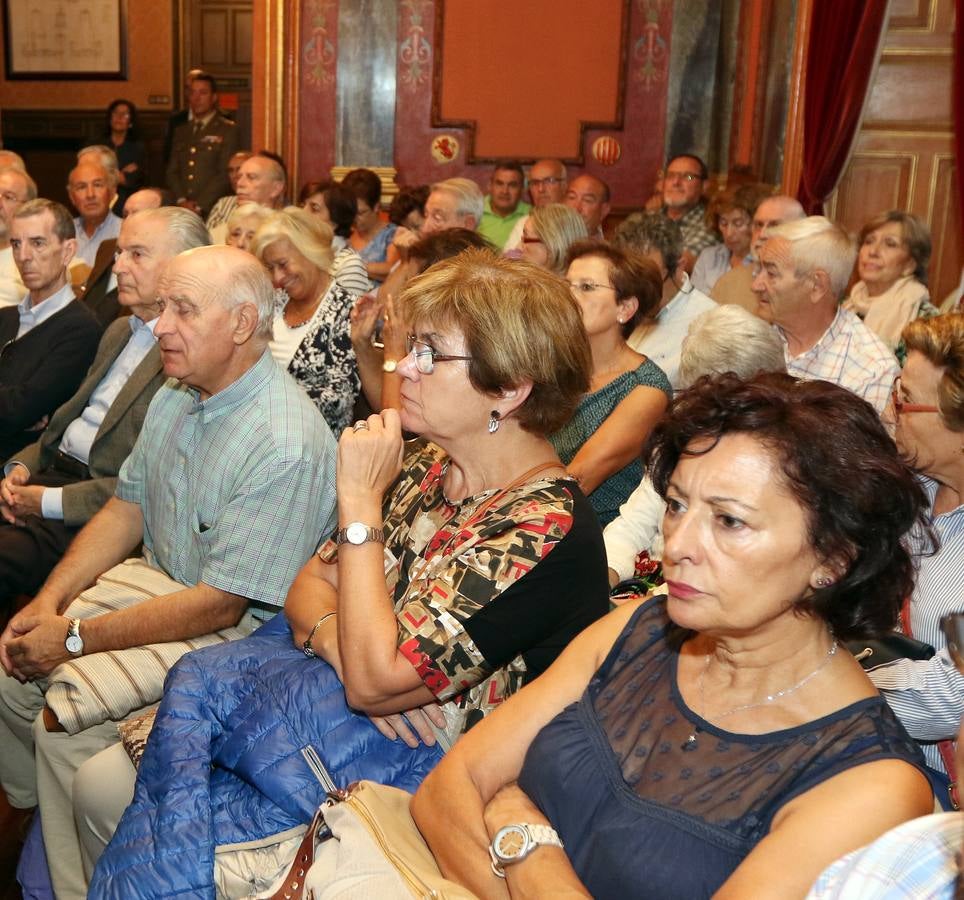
217 36
903 157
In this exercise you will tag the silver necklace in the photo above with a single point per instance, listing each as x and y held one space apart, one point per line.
691 742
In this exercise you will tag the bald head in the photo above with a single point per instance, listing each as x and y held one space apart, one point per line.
548 182
16 188
11 160
148 198
217 306
589 196
770 213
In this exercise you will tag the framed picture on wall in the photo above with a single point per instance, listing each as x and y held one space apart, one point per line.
65 39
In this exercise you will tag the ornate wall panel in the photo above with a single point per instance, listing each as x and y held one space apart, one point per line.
634 67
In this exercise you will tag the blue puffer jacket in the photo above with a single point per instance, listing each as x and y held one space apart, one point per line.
225 763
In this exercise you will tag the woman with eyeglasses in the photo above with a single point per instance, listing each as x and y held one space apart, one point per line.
462 566
547 234
927 408
602 443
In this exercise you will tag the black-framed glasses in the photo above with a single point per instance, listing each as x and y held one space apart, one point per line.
588 287
426 356
901 406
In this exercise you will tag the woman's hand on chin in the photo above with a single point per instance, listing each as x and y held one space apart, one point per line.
369 457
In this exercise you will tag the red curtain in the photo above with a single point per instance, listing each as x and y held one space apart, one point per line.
840 61
959 102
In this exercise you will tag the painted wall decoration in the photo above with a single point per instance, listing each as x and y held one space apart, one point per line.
415 50
606 150
445 149
317 101
650 50
318 50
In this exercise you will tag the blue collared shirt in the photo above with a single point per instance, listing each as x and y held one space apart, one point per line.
236 490
31 316
87 246
80 434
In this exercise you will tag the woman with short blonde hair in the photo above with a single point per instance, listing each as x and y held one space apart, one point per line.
312 328
548 234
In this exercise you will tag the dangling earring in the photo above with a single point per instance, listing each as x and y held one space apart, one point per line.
494 419
824 582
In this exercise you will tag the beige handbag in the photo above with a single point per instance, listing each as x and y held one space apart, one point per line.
364 845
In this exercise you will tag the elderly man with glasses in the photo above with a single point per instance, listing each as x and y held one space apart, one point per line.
683 185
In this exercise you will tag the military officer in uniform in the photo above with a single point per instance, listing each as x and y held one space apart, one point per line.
197 172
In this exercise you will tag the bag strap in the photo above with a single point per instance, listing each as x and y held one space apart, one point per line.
945 748
293 886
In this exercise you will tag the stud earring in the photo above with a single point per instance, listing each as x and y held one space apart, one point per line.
494 420
824 582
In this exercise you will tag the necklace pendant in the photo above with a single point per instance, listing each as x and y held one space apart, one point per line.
690 742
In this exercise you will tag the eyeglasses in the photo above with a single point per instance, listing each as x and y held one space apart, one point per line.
901 407
426 356
588 287
531 240
551 181
682 176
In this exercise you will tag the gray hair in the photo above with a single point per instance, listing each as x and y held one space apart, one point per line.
468 197
310 237
816 243
63 221
729 339
106 157
184 229
248 210
245 281
646 232
29 183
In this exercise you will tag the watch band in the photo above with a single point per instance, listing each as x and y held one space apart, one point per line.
533 836
359 533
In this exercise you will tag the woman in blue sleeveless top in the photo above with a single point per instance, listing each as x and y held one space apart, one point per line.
719 741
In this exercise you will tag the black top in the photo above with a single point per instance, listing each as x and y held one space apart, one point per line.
642 817
41 370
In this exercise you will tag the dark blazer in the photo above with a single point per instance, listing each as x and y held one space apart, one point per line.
198 168
42 369
117 433
93 291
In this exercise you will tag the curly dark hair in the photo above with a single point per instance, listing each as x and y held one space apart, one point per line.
859 496
406 200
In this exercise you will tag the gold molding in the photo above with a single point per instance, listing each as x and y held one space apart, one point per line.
868 129
897 52
794 132
914 157
921 29
932 190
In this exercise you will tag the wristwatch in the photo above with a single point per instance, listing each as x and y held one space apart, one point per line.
358 533
74 642
514 843
390 365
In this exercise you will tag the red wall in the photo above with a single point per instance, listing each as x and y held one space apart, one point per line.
528 74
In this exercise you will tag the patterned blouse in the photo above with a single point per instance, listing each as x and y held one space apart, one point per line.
486 603
324 363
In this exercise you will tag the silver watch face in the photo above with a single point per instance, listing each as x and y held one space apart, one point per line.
74 643
511 843
356 533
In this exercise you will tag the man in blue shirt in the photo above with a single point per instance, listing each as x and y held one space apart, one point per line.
55 485
230 487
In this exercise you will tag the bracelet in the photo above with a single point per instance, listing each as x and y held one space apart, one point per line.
306 646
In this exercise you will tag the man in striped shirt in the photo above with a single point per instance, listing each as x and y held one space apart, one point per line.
804 269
